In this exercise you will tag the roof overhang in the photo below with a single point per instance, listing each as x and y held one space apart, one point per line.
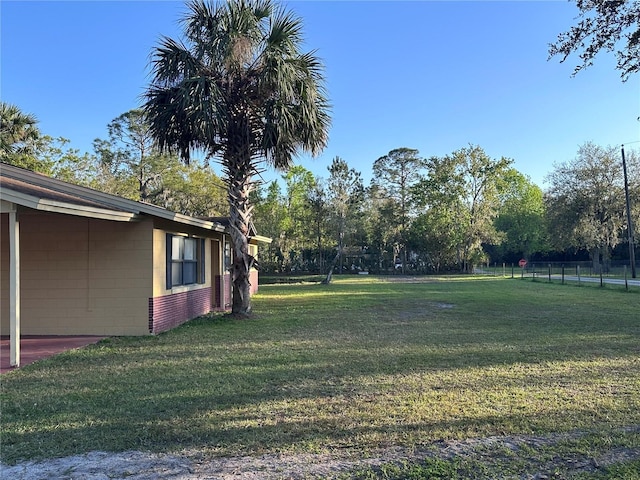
39 192
261 239
46 205
193 221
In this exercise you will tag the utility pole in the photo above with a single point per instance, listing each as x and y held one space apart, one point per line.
632 254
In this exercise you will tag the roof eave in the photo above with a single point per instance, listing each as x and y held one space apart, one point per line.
261 239
53 206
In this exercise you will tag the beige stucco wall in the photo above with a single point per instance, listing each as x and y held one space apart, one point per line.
81 276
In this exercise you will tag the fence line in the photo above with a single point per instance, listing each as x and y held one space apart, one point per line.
564 273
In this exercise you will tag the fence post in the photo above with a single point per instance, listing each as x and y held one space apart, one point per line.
512 270
563 274
578 273
626 282
601 281
549 273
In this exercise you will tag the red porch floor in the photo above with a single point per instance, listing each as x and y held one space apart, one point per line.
34 348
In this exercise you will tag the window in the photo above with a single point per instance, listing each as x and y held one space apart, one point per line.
185 260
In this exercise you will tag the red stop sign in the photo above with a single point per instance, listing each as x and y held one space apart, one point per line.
522 263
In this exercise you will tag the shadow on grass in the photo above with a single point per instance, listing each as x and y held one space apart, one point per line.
261 405
306 375
160 432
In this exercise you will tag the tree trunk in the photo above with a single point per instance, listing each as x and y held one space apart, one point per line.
329 276
239 183
595 260
240 275
337 258
404 259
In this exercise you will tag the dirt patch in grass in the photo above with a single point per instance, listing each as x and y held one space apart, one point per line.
408 279
443 305
527 451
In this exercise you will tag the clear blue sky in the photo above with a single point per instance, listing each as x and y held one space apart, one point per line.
435 76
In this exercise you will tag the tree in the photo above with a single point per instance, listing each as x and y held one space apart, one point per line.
23 145
297 233
129 161
603 25
481 179
18 134
317 201
436 236
378 238
394 175
463 189
193 189
521 216
239 88
130 164
52 157
270 215
345 194
585 202
440 228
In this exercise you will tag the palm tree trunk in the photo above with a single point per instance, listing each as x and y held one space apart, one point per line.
241 268
239 180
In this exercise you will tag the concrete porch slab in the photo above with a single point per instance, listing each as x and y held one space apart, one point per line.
33 348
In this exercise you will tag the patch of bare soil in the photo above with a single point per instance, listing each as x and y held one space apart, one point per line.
193 466
408 279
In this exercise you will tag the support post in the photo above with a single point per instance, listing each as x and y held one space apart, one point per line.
14 288
632 254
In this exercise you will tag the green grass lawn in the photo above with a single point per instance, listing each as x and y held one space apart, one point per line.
361 364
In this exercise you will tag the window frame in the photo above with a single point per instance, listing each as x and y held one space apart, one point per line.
182 271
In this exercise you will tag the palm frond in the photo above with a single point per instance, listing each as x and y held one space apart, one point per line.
186 116
173 62
241 77
285 35
17 129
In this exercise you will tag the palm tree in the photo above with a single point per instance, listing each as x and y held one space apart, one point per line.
240 89
17 131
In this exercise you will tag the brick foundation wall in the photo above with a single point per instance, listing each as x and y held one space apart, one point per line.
170 311
223 299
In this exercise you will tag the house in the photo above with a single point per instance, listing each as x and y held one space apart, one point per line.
75 261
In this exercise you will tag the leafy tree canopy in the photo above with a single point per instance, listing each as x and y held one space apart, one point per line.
603 25
585 202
